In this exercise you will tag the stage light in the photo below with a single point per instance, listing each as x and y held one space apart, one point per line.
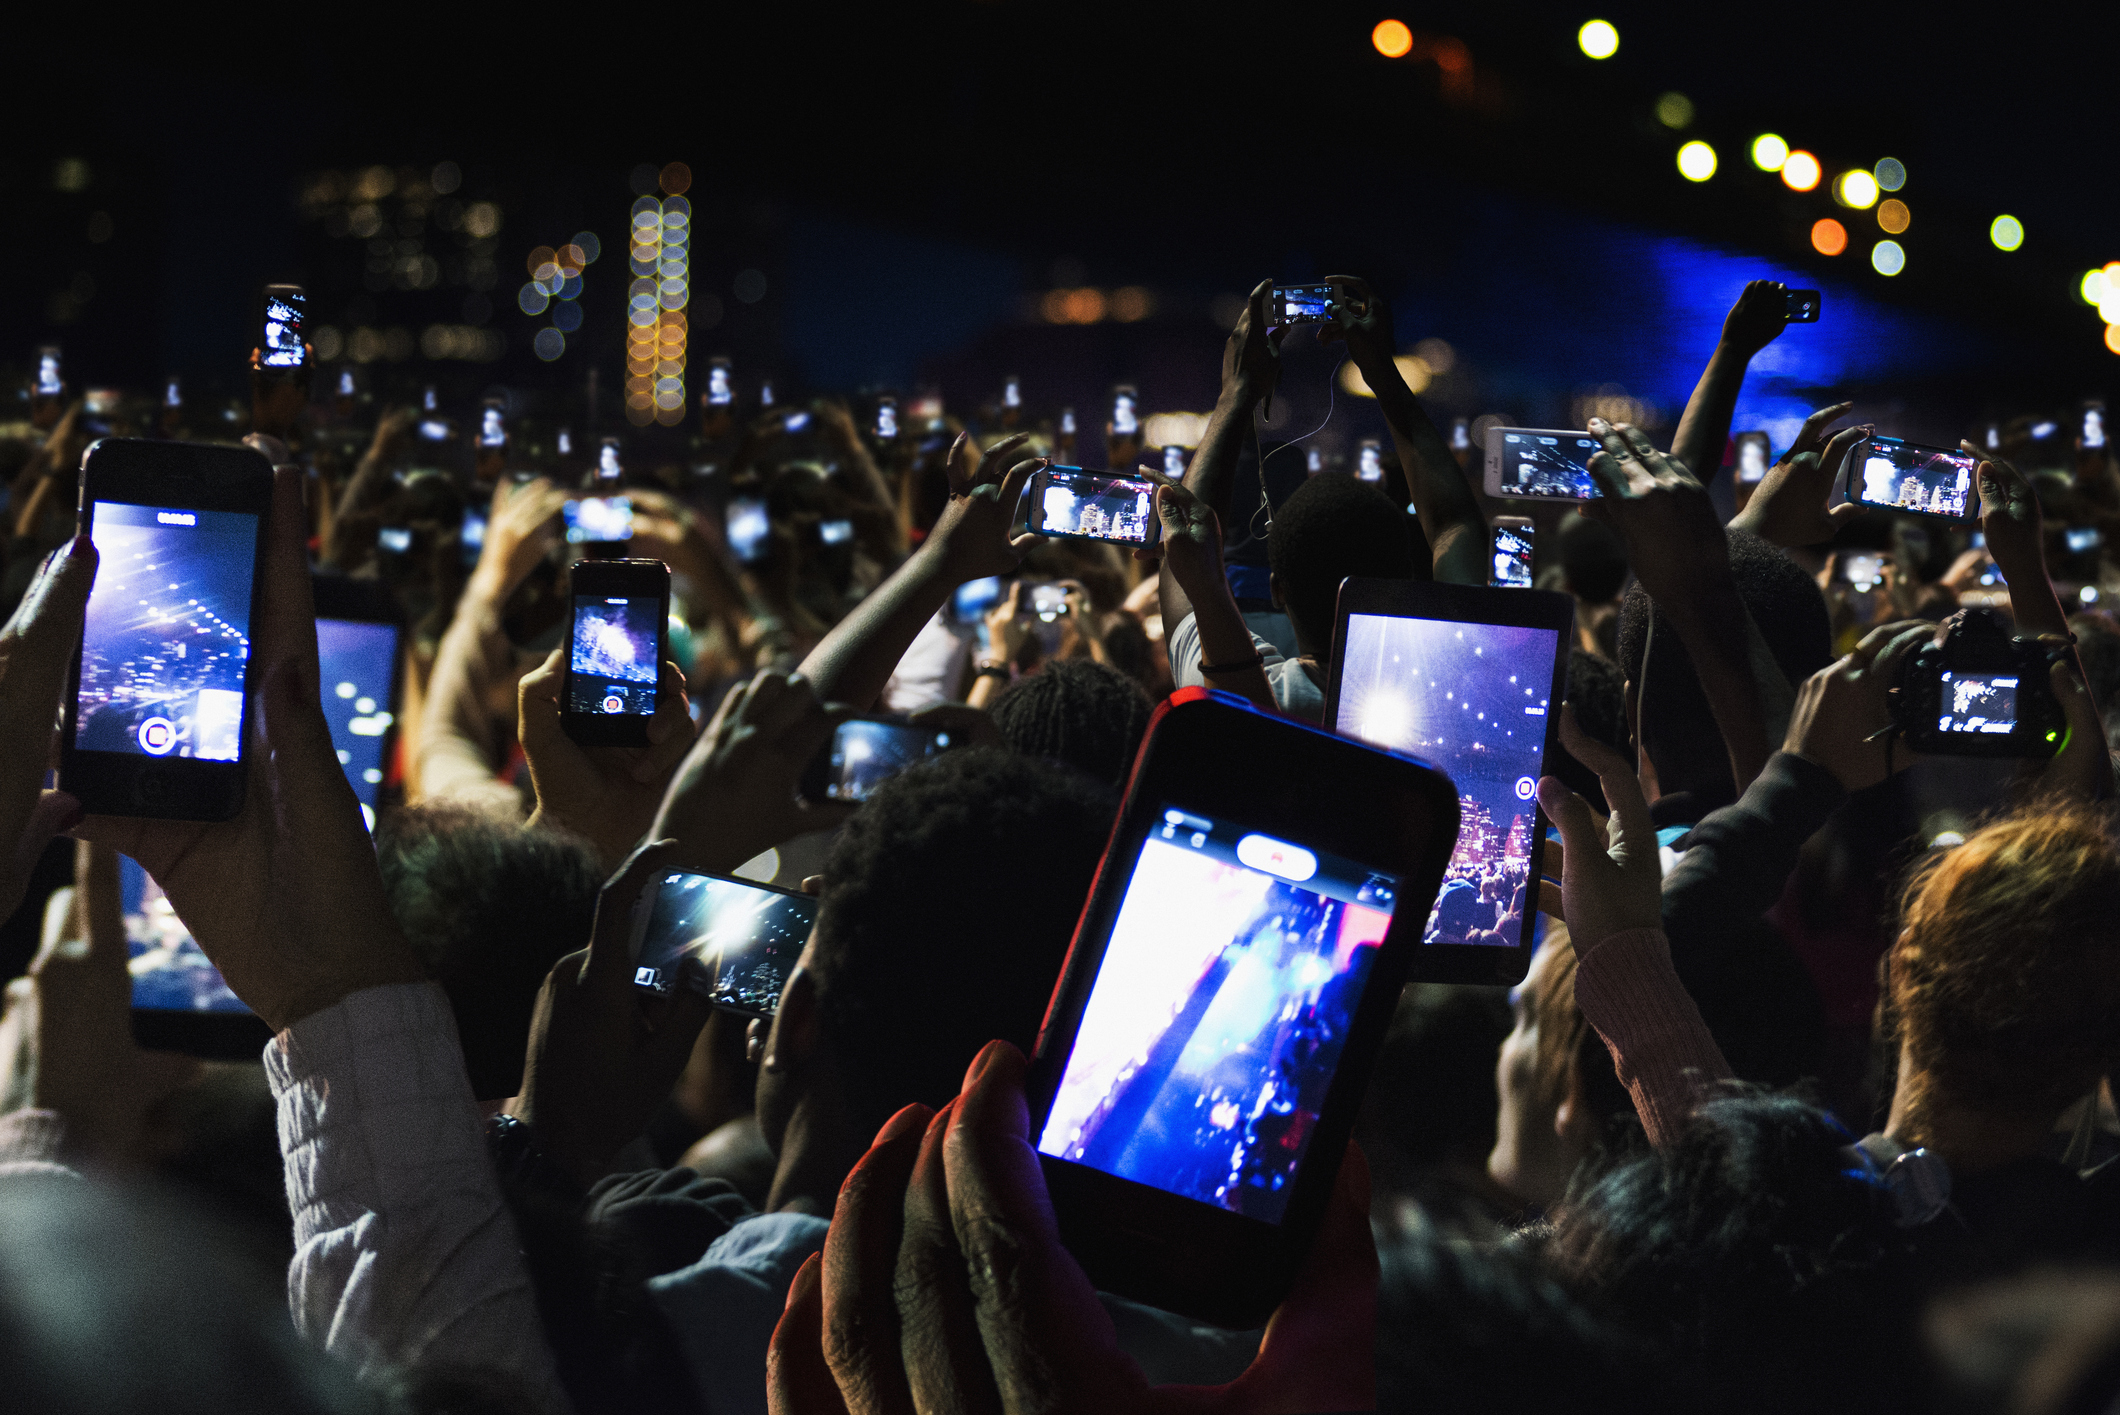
1891 174
1857 189
1892 215
1598 39
1392 39
1800 171
1674 110
2112 337
2007 232
1888 258
1769 151
1696 161
1828 237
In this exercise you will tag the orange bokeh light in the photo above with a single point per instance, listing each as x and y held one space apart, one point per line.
1801 171
2112 337
676 179
1392 39
1829 237
1451 55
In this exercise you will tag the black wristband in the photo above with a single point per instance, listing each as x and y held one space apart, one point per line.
1257 660
991 670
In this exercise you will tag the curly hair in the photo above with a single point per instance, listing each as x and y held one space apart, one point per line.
949 902
2005 978
1335 526
1076 711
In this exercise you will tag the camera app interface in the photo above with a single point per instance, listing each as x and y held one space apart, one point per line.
167 633
356 660
282 344
1548 464
612 662
170 972
1219 1014
1981 703
599 518
1912 478
1472 699
867 754
1512 558
1099 508
748 938
1304 304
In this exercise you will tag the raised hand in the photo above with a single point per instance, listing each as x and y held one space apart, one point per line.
1789 508
1662 511
1251 358
606 795
972 536
1361 319
1613 880
1006 629
1192 540
519 530
1842 708
1758 317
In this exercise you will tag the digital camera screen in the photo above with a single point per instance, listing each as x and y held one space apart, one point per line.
173 395
974 598
887 420
1369 466
835 532
170 972
1472 699
1078 503
1862 571
614 660
1067 422
749 939
167 633
2094 427
1982 703
1217 1019
1012 394
598 518
397 540
864 755
356 663
718 391
1124 420
1304 304
607 462
1910 478
1174 463
490 431
1512 558
747 528
796 421
1547 464
282 344
48 384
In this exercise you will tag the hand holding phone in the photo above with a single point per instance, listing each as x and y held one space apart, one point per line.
616 645
1073 504
608 795
866 752
1905 476
280 368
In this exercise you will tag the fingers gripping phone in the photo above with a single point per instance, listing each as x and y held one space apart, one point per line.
1899 475
615 650
1511 550
1802 306
732 940
154 722
1205 1052
1074 504
863 753
280 346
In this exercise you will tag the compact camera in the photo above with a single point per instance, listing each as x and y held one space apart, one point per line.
1981 692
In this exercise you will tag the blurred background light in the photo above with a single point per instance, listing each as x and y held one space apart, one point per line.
1891 174
2092 287
1412 367
1892 215
1800 171
549 344
1769 151
676 178
589 246
2112 337
2007 232
1391 38
1696 161
1888 258
1857 189
532 299
1828 237
1598 39
1675 110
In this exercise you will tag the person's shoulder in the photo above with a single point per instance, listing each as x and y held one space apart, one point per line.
1299 696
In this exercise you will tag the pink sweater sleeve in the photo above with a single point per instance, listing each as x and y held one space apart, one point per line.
1661 1048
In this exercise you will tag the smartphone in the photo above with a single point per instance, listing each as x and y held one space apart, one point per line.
748 528
2043 429
1047 602
154 721
1862 569
1905 476
180 1001
346 385
49 384
1460 435
974 598
1126 411
1541 464
607 467
1299 304
615 650
1067 422
886 418
1467 678
434 429
394 540
1511 549
173 393
598 519
2094 424
564 443
865 752
1753 451
1802 306
1369 461
492 431
97 405
765 391
1174 463
721 391
1222 1005
1074 504
795 421
359 640
1994 437
1012 393
2084 538
471 536
430 400
733 940
280 345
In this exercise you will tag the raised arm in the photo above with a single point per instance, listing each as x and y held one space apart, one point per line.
970 541
366 489
2016 537
1192 563
1755 321
1449 513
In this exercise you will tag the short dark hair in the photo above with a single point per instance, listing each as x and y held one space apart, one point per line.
949 901
1335 527
1592 557
489 907
1597 695
1076 711
1679 734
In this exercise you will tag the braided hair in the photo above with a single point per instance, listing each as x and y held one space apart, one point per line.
1079 712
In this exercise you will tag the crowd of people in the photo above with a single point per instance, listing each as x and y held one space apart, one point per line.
1804 1101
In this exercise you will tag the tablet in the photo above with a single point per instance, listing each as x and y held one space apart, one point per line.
1469 679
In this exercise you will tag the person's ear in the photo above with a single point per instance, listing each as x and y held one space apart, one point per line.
1573 1123
793 1036
1273 589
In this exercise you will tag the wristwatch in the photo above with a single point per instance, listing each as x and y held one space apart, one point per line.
518 1161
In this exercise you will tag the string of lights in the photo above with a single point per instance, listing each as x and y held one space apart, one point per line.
659 255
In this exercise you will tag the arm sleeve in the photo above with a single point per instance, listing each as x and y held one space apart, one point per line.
1184 650
405 1254
1738 861
1660 1047
457 753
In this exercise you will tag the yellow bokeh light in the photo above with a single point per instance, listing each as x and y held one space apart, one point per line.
1696 161
2007 232
1800 171
2092 287
1828 237
1857 189
1674 110
1769 151
1598 39
1892 215
1392 39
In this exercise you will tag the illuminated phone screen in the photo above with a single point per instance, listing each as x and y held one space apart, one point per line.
613 656
281 343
